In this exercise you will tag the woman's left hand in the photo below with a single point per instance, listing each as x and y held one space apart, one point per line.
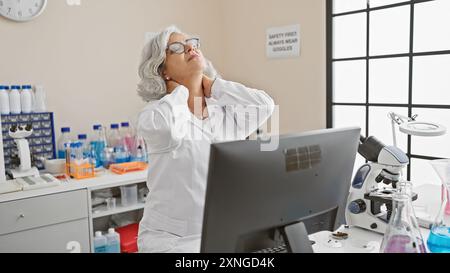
207 86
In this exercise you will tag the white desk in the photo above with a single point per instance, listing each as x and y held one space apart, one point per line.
53 219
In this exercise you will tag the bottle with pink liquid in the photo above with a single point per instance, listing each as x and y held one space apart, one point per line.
128 137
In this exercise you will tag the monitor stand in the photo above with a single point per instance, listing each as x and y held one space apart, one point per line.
296 238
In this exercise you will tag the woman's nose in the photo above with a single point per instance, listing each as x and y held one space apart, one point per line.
189 48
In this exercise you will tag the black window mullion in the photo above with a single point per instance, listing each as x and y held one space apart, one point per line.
367 70
410 87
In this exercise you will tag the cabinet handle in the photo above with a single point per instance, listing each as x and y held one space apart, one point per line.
22 216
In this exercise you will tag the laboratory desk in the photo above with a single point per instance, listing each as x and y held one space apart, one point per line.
61 218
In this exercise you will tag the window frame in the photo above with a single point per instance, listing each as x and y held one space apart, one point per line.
367 104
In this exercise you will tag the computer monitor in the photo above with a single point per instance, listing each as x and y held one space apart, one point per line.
253 195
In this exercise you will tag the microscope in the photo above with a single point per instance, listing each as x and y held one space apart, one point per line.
25 177
369 204
23 159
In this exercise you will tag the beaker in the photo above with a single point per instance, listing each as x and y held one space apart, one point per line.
406 187
401 233
439 239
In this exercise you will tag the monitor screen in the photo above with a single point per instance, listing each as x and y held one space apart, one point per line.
252 194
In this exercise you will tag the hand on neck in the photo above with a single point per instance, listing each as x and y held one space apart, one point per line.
194 84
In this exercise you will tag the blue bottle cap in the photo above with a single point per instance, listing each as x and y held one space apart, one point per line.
15 87
114 126
2 87
24 86
125 124
6 87
65 130
97 127
82 137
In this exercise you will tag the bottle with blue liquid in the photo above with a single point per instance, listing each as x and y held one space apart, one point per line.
112 241
439 239
98 145
64 142
100 243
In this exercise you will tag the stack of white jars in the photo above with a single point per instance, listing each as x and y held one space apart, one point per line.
18 99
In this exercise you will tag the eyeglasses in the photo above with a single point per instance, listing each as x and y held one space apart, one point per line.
179 47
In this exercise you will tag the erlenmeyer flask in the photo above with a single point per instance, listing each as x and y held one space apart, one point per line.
406 187
439 239
399 236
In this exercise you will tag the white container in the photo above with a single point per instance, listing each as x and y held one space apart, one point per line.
55 166
113 241
100 242
39 100
14 100
4 100
129 195
26 99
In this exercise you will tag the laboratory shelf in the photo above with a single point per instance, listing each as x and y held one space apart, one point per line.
98 213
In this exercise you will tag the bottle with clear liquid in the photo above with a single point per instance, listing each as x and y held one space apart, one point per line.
399 236
116 142
141 154
82 138
439 239
63 141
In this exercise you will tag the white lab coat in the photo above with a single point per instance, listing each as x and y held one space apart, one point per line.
179 147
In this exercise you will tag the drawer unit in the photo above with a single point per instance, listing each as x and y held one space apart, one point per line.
42 211
59 238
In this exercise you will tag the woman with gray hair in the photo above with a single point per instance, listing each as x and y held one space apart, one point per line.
189 107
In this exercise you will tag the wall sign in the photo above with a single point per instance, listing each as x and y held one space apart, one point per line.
283 42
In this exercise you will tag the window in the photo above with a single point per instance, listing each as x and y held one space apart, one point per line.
391 55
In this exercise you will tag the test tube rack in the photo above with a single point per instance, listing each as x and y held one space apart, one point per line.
42 141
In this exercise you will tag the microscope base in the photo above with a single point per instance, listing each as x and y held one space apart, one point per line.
16 173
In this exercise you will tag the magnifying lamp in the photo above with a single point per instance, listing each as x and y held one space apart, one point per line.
410 126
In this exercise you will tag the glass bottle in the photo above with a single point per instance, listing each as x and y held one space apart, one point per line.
399 236
439 239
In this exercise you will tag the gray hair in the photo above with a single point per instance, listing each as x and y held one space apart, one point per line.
152 85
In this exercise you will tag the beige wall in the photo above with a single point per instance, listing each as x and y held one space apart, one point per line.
86 57
298 85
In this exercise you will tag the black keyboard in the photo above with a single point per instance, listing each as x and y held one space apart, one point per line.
278 249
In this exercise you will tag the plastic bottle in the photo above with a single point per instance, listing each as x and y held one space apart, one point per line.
4 100
100 242
114 138
63 139
39 100
121 154
82 138
113 241
141 150
128 137
14 100
98 144
26 99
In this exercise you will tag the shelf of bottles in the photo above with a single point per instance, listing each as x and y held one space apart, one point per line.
42 141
